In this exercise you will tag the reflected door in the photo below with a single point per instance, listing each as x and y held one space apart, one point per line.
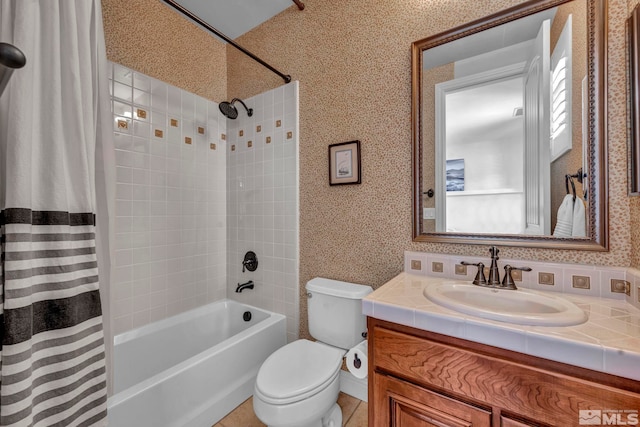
537 133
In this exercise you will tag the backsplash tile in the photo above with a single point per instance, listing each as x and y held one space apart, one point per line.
581 280
585 280
439 266
546 278
416 263
633 277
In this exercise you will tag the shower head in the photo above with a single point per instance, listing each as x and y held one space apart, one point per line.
230 111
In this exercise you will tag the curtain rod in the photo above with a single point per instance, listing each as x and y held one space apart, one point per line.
190 15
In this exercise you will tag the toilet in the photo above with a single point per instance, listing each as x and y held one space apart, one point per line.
298 385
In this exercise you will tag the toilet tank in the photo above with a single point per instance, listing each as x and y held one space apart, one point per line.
335 311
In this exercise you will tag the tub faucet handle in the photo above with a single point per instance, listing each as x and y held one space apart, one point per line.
250 261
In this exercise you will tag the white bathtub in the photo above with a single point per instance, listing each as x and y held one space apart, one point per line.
191 369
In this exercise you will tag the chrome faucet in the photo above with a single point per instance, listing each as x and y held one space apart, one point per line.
243 286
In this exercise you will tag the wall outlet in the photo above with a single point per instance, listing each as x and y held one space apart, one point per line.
428 213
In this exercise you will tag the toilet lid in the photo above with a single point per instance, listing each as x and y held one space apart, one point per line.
296 370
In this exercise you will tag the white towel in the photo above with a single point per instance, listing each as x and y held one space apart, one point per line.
564 223
578 227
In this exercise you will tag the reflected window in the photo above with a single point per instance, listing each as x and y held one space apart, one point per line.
561 138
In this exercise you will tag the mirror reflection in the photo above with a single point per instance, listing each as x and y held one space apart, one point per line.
504 146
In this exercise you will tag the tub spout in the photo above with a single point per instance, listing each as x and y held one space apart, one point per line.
243 286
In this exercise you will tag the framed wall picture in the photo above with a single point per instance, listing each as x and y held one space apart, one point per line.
344 163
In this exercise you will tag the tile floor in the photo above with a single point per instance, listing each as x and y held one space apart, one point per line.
354 414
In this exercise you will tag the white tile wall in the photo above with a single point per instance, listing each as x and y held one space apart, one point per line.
171 224
262 208
187 213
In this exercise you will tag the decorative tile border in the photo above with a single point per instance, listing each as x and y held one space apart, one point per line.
587 280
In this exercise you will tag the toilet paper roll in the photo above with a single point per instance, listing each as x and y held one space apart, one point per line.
357 360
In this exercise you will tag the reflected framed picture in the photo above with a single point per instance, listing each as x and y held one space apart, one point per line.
455 175
344 163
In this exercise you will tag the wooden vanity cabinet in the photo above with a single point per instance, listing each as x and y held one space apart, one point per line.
420 379
412 406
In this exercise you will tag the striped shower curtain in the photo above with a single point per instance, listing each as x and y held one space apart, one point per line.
52 124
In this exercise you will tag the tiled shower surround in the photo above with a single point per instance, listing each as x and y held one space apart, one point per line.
262 202
171 203
170 200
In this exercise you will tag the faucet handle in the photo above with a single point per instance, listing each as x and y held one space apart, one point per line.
250 261
508 281
480 277
494 253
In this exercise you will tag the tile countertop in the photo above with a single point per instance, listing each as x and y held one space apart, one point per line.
609 341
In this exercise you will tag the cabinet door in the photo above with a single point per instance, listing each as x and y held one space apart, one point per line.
401 404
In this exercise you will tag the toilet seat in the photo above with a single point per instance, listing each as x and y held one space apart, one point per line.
298 370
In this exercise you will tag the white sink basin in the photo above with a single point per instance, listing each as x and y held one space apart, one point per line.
522 307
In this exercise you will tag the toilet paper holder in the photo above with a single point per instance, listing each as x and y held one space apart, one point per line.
356 361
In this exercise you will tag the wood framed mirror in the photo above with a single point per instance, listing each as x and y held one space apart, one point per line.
509 129
633 31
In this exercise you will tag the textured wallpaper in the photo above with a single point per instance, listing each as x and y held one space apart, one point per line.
149 37
353 63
